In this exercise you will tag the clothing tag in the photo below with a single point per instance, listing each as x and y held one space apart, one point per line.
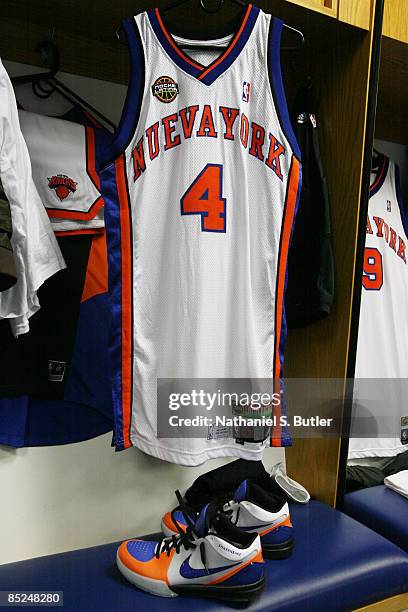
302 118
56 370
253 435
404 430
218 432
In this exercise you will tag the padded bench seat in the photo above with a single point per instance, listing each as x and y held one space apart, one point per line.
381 509
338 564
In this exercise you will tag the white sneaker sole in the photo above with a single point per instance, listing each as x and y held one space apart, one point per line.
150 585
242 594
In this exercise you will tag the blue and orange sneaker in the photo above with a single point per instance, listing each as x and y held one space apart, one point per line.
252 510
210 558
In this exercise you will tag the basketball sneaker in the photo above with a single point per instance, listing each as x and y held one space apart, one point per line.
253 510
210 558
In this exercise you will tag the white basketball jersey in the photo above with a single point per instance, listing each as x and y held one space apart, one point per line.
382 350
63 161
200 202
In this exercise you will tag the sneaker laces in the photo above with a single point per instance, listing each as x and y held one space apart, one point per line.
224 505
186 538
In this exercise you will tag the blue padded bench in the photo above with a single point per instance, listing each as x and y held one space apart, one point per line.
381 509
338 564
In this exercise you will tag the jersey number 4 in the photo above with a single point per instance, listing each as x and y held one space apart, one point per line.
204 197
373 270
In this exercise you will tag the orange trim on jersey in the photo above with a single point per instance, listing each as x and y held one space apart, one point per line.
287 224
90 157
257 559
58 213
127 306
230 46
96 279
173 44
79 232
92 118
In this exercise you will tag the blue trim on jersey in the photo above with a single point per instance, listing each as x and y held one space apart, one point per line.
403 210
381 176
103 144
286 436
276 81
217 67
113 239
229 59
131 109
88 380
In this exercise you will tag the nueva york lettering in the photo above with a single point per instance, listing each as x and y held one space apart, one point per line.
383 230
227 123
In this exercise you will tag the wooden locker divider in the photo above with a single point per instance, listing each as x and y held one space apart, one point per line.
392 115
339 56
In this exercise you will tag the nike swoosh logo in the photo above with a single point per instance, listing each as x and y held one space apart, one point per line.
186 571
275 522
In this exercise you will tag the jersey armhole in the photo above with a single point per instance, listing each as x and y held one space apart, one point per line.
276 82
403 210
134 96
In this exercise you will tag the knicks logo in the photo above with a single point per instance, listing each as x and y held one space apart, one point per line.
62 185
165 89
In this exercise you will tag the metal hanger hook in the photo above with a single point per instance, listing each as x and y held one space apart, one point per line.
209 10
49 55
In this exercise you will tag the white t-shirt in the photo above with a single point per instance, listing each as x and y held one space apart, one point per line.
36 251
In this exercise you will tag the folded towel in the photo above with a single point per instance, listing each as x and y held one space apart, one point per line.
398 482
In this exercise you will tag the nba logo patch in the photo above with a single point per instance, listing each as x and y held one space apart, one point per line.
388 205
246 88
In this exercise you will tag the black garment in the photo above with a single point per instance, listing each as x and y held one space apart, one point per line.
361 476
8 273
221 483
38 362
310 289
399 463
